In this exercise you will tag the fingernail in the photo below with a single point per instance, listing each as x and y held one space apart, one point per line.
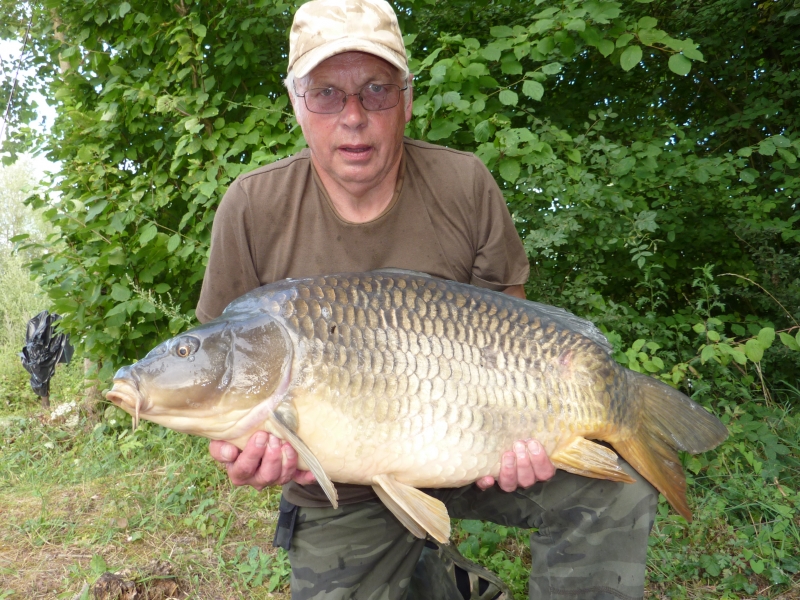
274 443
261 439
289 452
227 453
519 450
534 447
508 461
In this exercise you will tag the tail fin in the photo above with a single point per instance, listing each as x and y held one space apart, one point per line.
669 421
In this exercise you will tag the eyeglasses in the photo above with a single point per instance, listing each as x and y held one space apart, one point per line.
331 100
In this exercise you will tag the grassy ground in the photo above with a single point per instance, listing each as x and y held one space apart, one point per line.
83 496
80 495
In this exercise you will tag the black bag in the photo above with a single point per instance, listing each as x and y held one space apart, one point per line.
44 348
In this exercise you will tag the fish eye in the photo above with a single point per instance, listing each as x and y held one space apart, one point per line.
187 346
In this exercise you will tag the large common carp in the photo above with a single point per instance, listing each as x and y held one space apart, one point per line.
398 380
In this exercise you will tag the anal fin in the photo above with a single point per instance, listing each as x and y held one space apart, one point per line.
420 513
587 458
285 419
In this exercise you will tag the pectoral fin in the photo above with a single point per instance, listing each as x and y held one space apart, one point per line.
418 511
590 459
285 421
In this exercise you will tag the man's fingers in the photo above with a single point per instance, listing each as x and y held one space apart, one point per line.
269 467
526 476
247 464
527 464
288 463
222 452
304 477
508 472
485 483
542 467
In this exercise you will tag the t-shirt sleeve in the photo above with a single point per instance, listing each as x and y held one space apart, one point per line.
500 259
231 271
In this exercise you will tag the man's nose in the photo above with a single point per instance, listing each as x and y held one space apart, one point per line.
354 112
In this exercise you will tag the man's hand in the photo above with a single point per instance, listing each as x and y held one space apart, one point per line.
265 461
523 467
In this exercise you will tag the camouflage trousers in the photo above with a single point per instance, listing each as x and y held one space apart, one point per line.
590 543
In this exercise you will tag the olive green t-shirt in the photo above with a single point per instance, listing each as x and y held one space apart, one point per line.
447 218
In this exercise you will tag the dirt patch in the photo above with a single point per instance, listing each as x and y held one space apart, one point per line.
155 581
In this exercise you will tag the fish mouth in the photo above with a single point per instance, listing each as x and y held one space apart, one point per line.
126 395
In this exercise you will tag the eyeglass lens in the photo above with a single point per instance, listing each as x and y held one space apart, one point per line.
373 97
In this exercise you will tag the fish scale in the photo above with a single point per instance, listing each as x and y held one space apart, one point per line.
401 321
398 380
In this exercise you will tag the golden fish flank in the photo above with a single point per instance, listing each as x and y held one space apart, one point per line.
398 380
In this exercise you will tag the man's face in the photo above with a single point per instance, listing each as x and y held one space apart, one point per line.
355 147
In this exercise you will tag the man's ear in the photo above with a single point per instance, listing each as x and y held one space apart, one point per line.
410 102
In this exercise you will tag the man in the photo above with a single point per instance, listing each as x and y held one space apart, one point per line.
363 197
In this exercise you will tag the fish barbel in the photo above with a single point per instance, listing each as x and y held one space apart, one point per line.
399 380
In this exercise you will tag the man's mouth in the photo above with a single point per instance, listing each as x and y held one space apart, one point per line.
355 151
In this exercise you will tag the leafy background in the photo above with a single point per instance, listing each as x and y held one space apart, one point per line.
648 152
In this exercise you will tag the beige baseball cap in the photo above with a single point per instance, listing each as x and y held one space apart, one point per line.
324 28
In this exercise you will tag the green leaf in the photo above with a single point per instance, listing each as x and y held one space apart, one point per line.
532 89
748 175
766 336
606 47
679 64
174 242
441 128
552 68
706 354
98 565
647 23
576 25
787 156
149 231
789 341
754 350
199 30
501 31
623 40
766 147
736 353
780 142
630 58
120 293
483 131
491 53
509 98
96 209
124 9
648 37
746 151
574 155
623 167
509 169
473 527
757 566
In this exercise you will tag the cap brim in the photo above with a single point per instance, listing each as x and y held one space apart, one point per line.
303 65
